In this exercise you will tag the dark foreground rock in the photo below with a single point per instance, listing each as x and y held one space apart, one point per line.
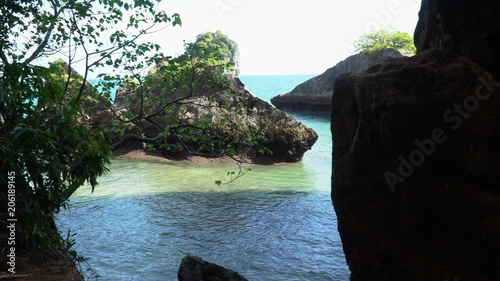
468 28
315 95
416 181
195 269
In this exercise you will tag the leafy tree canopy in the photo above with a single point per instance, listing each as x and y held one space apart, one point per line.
43 140
373 42
214 45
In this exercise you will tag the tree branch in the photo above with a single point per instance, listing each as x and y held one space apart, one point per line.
3 57
46 39
134 137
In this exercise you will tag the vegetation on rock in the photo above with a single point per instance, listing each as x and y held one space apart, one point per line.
372 43
214 45
46 150
161 104
195 105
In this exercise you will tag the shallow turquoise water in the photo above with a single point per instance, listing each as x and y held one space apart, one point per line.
276 223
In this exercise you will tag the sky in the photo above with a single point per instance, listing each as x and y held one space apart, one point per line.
286 37
279 36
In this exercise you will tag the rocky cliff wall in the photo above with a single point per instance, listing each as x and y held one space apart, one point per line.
469 28
416 180
315 95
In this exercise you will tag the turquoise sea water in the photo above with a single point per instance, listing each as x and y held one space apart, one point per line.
276 223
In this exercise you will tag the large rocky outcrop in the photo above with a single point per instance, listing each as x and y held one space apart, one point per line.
96 110
233 111
195 104
195 269
416 180
315 95
470 28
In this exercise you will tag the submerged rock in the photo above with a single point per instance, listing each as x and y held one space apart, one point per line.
416 179
195 269
315 95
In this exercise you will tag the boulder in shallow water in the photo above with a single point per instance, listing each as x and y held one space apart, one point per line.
195 269
235 112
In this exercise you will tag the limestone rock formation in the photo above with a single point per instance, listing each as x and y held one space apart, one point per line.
416 180
195 269
464 27
235 112
315 95
195 104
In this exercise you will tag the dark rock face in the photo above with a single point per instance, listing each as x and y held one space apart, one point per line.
416 180
315 95
470 28
195 269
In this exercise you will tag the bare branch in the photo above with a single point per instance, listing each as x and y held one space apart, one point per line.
46 39
135 137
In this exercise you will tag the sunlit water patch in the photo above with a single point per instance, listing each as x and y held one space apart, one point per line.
275 223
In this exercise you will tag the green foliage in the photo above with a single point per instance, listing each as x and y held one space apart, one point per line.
165 96
185 76
175 105
374 42
42 141
266 150
76 259
234 175
43 136
212 45
215 46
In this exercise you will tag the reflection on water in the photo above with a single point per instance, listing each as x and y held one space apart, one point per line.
275 223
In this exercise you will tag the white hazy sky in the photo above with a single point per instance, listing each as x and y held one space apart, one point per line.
286 37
